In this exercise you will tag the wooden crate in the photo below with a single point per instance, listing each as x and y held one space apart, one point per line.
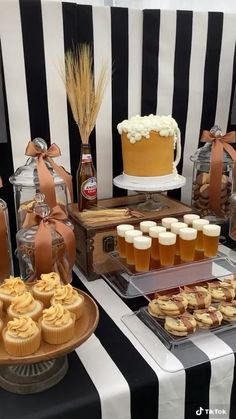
94 242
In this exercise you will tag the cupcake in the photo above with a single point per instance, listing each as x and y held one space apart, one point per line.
198 297
208 317
182 325
154 309
44 288
228 310
21 336
9 289
172 305
25 305
57 324
67 296
221 291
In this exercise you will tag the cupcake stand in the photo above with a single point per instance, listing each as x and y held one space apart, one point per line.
150 186
46 367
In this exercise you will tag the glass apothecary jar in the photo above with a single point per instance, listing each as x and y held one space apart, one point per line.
209 204
6 262
33 254
26 184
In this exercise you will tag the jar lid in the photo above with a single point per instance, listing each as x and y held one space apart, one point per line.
27 175
203 154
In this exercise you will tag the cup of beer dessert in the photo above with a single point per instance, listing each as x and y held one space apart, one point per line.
145 225
211 234
198 225
167 242
189 218
154 233
142 253
187 242
167 221
121 229
129 244
175 228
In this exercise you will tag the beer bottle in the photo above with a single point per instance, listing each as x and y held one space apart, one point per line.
86 180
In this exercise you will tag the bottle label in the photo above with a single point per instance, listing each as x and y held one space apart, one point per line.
86 158
89 188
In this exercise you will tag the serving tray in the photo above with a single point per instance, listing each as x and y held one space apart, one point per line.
129 284
84 327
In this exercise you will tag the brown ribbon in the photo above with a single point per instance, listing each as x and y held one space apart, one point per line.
47 186
199 295
5 265
176 299
219 144
225 289
43 238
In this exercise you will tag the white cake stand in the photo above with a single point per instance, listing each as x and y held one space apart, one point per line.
150 186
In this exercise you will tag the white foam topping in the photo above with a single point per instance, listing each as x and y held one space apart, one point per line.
154 231
167 221
188 218
122 228
130 234
142 243
198 224
175 227
145 225
211 230
139 127
188 233
167 238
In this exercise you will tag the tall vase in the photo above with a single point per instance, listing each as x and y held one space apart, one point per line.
86 180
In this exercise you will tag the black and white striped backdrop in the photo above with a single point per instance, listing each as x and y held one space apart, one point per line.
162 61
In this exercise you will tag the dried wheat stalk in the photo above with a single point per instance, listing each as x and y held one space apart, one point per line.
84 97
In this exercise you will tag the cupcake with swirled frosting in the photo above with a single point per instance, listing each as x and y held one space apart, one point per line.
57 324
69 298
10 288
25 305
44 288
21 336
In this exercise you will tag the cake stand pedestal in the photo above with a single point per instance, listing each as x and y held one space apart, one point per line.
150 187
46 367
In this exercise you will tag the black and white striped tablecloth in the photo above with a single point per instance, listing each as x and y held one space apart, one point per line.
112 376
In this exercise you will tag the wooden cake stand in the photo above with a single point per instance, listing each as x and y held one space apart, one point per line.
47 366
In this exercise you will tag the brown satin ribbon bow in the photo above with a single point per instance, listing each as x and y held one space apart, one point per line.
46 181
5 263
43 238
219 144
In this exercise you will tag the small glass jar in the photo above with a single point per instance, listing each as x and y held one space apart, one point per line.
201 179
6 262
26 249
26 184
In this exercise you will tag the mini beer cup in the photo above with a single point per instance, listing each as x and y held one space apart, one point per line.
142 253
175 227
129 244
198 225
154 233
145 225
167 221
121 229
167 242
187 242
189 218
211 234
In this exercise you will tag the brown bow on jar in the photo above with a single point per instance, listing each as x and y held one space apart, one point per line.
43 239
46 181
219 144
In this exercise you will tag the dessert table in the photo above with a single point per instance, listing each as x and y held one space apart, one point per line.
111 375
